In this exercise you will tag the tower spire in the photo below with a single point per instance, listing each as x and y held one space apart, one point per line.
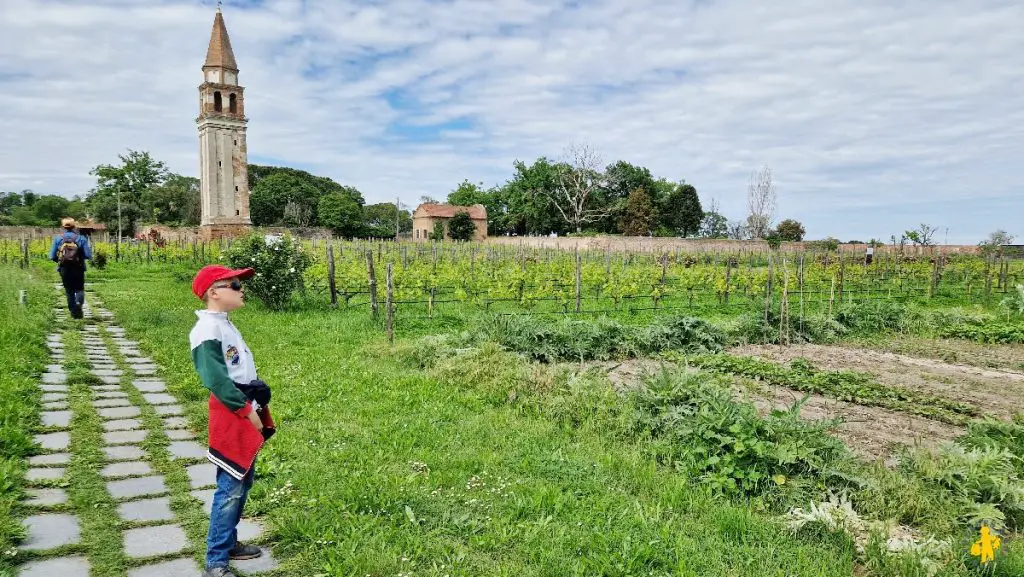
219 54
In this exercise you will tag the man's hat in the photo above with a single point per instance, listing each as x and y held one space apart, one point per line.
212 273
68 222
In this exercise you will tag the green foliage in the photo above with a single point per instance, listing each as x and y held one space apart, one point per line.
279 264
714 225
379 220
989 332
174 202
640 215
1014 303
681 211
601 338
461 226
790 230
131 180
99 259
850 386
276 192
438 233
340 213
727 444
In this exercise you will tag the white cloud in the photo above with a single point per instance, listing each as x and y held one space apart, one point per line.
873 115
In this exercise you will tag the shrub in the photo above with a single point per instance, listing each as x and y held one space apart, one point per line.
99 260
461 227
279 262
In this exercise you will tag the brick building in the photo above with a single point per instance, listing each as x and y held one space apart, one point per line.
426 215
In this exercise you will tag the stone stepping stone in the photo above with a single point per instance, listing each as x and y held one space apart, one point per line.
55 378
104 366
130 352
107 372
144 372
55 418
137 487
36 474
55 369
54 388
124 453
146 510
122 425
137 367
139 361
49 397
205 496
202 475
175 568
54 441
62 566
107 388
262 564
119 412
159 398
49 531
112 402
50 459
111 394
179 434
126 469
186 450
150 386
124 437
55 405
154 541
168 410
46 497
110 380
175 423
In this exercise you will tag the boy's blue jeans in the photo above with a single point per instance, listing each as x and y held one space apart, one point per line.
228 502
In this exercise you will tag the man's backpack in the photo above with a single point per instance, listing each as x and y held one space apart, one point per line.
67 252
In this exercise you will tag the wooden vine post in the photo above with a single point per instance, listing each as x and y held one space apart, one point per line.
579 279
373 281
390 306
331 282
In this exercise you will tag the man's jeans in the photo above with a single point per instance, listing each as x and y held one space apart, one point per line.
228 502
73 279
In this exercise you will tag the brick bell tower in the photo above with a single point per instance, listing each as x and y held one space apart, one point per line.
223 163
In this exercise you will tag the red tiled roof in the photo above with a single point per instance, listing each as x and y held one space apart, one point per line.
476 212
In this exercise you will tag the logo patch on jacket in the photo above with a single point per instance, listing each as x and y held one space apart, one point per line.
231 355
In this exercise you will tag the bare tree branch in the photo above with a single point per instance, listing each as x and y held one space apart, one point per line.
579 178
761 199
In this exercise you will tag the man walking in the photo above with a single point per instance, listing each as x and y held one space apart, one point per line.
70 250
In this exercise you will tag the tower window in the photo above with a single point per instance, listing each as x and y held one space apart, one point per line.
232 103
218 104
236 189
219 163
236 143
237 213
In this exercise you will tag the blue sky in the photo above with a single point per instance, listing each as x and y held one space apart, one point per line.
874 116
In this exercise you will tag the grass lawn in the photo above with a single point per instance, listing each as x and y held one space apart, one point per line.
380 467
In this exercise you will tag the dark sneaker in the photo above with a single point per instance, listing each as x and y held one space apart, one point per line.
242 551
218 572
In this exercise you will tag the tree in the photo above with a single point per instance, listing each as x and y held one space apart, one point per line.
736 230
340 213
525 201
922 235
681 211
995 242
790 230
620 180
438 233
379 220
714 224
427 199
272 194
461 227
640 215
468 194
761 199
578 183
130 180
50 209
174 202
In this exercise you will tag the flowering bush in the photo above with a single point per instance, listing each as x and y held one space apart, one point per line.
279 262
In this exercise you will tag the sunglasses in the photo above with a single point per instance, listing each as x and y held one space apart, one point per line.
234 285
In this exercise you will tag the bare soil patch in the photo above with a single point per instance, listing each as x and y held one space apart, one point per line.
954 351
871 432
995 392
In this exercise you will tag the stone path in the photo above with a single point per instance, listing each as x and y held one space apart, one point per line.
153 542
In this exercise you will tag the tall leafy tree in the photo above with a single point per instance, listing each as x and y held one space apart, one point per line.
174 202
620 180
50 209
790 230
461 227
681 212
339 212
468 194
274 193
136 173
379 220
527 202
640 216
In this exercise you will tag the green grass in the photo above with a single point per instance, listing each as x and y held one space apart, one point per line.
381 467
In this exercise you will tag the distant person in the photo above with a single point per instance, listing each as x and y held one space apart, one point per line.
239 411
70 250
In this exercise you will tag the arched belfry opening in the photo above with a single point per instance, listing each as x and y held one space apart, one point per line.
233 103
218 103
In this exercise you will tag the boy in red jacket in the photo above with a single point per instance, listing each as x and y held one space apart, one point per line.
240 421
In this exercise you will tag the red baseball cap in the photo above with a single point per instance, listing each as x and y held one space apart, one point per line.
212 273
